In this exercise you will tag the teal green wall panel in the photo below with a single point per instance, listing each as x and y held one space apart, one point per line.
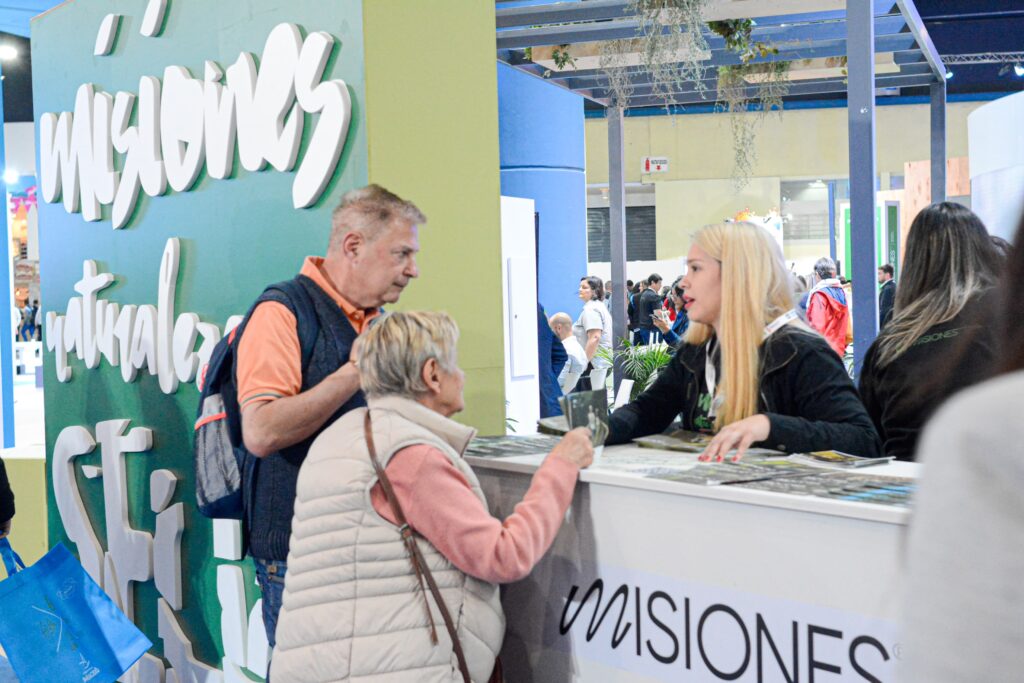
237 235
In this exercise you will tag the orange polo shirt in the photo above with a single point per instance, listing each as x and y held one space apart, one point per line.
269 354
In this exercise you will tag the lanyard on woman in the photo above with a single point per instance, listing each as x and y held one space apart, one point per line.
711 375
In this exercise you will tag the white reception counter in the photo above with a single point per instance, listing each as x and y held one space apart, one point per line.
654 580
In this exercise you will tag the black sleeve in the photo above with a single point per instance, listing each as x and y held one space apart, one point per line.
828 412
654 409
6 496
886 300
868 384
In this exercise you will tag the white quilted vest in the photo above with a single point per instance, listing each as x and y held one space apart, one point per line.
353 609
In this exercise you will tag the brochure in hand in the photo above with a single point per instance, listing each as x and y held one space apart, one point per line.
587 409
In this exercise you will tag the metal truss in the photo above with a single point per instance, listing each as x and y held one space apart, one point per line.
985 58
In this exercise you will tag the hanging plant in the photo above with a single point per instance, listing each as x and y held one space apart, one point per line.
738 96
671 49
745 86
562 57
738 35
669 45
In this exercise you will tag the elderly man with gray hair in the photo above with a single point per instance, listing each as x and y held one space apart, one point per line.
294 373
561 325
827 311
392 533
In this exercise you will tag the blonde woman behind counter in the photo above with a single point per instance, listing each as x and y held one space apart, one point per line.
353 607
748 371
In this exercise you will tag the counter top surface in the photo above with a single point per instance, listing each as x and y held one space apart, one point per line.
627 465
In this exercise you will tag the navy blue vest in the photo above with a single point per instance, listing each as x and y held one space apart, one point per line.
270 516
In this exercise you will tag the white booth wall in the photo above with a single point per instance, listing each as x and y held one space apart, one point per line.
996 143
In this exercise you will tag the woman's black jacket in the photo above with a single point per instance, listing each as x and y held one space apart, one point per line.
948 357
6 496
805 392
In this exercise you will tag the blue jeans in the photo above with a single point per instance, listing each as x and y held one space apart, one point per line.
270 575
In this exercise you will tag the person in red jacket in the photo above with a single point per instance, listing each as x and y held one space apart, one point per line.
827 311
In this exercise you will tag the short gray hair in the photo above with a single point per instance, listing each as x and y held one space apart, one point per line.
825 268
393 351
369 210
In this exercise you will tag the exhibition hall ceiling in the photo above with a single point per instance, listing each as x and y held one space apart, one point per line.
960 27
964 32
957 27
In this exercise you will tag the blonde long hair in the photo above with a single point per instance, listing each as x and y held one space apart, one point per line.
756 289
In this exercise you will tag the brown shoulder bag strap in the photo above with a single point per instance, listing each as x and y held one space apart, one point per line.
419 564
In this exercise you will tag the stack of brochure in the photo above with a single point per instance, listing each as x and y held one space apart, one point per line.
837 459
508 446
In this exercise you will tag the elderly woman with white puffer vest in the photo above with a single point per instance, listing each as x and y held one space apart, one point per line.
388 517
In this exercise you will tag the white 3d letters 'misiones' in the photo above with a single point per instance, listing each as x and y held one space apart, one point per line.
187 122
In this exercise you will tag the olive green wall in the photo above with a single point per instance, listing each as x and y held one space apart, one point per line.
433 138
28 481
684 206
801 143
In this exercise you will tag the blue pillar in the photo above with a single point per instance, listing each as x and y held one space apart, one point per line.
542 158
938 141
860 48
6 302
832 221
617 224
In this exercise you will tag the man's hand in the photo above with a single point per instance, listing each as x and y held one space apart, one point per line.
737 436
575 447
347 372
5 528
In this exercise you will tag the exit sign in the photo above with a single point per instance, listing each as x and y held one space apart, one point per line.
654 165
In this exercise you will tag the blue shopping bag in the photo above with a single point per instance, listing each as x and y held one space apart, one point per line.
57 625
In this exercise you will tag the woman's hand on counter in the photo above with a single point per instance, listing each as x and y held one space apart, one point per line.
737 436
575 447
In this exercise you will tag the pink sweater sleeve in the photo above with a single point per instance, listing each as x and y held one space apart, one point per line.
440 505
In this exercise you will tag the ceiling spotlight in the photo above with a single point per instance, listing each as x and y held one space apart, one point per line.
1019 70
11 176
949 75
8 52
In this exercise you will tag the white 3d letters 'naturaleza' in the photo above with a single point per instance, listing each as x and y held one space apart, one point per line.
133 336
187 122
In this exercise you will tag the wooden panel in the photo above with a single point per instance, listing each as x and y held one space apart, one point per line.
918 189
958 177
